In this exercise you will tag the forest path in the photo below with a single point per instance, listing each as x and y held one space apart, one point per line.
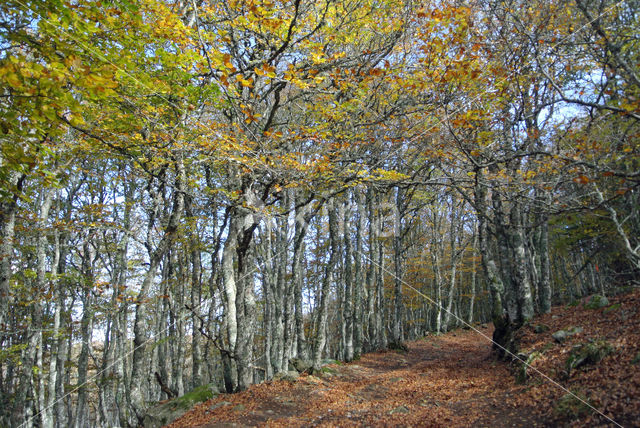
448 380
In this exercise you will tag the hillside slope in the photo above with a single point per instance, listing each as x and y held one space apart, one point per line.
453 380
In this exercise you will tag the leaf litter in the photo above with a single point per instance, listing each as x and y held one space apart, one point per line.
454 380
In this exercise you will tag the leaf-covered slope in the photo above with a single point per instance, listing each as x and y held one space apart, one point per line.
453 380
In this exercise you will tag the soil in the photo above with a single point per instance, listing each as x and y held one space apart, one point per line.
454 380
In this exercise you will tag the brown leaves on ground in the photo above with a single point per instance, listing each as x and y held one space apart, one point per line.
453 380
612 386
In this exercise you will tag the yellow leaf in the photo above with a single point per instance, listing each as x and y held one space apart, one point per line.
76 120
226 60
13 80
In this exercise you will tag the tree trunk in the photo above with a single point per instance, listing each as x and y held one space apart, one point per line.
492 273
473 274
378 261
453 238
113 379
245 311
46 413
544 277
322 308
196 300
54 371
398 244
287 288
521 277
230 294
348 284
7 233
358 277
138 379
81 415
303 216
239 294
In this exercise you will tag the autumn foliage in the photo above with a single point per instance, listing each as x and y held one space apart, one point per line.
194 192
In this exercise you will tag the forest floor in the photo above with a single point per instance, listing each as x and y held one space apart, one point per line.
454 380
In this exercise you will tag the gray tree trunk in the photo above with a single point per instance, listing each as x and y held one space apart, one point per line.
398 263
81 415
456 253
54 372
245 311
359 284
521 277
239 293
377 262
303 215
230 295
42 285
7 233
113 380
492 273
473 274
197 372
138 379
322 307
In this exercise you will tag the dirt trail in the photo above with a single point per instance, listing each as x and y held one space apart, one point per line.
450 380
453 381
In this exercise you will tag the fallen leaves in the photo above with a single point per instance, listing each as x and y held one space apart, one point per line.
452 380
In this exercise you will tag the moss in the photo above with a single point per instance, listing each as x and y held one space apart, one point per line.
546 347
398 347
541 328
587 353
572 405
612 308
165 413
636 359
197 395
525 361
596 302
506 341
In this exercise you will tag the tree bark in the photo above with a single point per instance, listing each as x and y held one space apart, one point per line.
398 248
359 284
322 308
138 380
348 288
